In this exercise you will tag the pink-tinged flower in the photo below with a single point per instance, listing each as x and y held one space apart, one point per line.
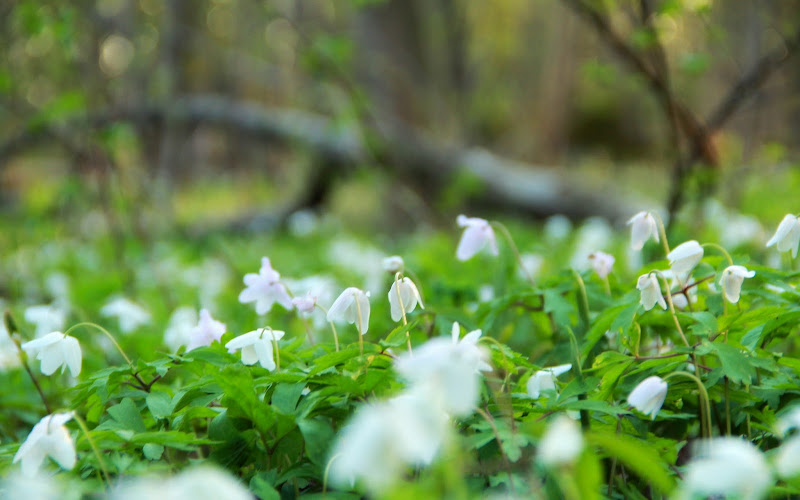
602 263
56 350
256 347
207 331
305 304
649 395
478 234
651 292
408 294
352 306
643 225
265 289
787 236
731 282
684 257
49 438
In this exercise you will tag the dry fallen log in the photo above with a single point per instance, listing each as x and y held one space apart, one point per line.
509 185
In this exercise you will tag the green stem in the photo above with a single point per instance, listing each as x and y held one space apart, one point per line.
22 358
500 226
721 250
93 445
359 328
662 231
333 327
507 462
672 307
327 473
583 298
277 351
703 395
107 334
402 307
727 408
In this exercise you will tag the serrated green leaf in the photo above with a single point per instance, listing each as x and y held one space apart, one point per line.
159 404
735 364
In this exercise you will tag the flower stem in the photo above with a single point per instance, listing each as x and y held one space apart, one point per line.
703 396
672 308
359 328
583 299
333 327
24 361
721 250
277 351
507 462
402 307
662 231
500 226
93 445
107 334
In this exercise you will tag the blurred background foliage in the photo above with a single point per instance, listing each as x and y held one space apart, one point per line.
90 121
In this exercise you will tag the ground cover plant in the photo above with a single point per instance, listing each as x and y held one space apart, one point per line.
485 360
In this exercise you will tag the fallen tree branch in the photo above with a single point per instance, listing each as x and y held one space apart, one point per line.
508 185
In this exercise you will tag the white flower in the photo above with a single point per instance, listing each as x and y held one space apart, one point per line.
562 443
305 304
129 314
203 482
788 421
47 318
56 350
649 395
651 292
727 466
643 225
731 281
787 235
408 295
684 257
545 379
180 327
393 264
478 234
602 263
256 346
265 289
450 372
48 438
383 439
787 460
352 306
205 332
36 487
469 350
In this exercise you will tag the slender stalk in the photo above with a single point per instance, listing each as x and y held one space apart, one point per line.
277 351
93 445
727 408
402 307
490 421
360 329
327 472
500 226
24 361
308 330
583 298
672 308
703 395
107 334
606 285
662 231
333 327
721 250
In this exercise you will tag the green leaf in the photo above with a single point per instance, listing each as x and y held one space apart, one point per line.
262 485
159 404
127 415
285 397
636 455
152 451
558 306
318 434
735 364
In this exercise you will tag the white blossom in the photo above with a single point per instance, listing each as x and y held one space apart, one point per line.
684 257
305 304
643 226
265 289
406 291
56 350
650 291
181 323
469 349
129 314
478 233
787 236
544 380
602 263
256 347
787 459
649 395
562 443
50 438
393 264
352 306
731 281
207 331
727 466
203 482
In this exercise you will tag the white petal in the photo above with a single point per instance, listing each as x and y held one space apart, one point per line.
363 309
264 354
249 354
42 342
72 355
61 448
786 226
244 340
339 310
52 357
471 242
